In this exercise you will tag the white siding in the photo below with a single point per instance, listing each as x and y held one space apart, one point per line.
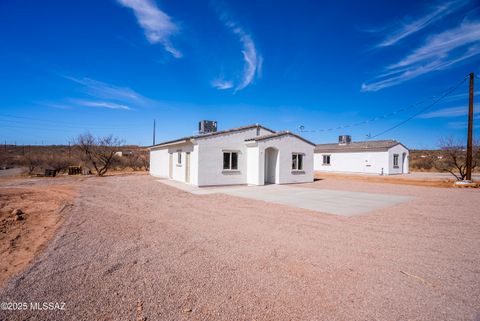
364 162
206 159
402 165
159 162
286 145
210 160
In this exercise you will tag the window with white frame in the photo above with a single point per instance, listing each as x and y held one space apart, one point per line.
179 157
297 162
326 160
230 161
395 160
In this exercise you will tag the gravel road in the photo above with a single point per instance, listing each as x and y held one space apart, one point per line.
135 249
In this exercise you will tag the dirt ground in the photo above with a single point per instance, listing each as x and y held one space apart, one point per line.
132 248
415 179
23 236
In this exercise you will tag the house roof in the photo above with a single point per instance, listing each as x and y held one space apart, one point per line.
222 132
278 134
365 146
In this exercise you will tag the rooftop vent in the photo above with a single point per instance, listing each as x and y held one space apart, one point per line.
344 139
207 126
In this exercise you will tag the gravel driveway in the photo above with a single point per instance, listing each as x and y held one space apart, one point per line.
134 249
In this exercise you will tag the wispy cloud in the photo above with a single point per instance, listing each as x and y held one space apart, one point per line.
446 112
409 27
109 92
463 96
222 84
252 60
463 124
54 105
157 25
439 51
101 104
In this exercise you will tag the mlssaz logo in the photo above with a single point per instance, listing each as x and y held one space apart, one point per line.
47 306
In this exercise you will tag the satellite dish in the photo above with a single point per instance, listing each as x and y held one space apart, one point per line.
301 128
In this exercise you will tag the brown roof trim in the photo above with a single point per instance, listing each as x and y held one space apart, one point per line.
211 134
278 134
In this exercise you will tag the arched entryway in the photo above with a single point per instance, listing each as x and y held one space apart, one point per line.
271 164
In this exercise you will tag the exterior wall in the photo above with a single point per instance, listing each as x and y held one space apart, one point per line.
252 163
364 162
160 162
194 166
359 162
206 159
210 157
286 145
403 167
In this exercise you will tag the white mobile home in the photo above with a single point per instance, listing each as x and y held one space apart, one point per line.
253 155
382 157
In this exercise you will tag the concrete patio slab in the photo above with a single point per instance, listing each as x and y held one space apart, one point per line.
342 203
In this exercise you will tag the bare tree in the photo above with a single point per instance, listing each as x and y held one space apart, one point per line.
98 152
454 159
32 162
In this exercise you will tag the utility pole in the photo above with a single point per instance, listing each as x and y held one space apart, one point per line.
153 132
470 130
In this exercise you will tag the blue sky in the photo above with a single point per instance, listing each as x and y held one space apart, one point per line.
112 66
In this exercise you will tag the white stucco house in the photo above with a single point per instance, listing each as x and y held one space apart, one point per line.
382 157
253 155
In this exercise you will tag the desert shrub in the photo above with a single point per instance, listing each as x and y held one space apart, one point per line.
58 162
423 163
120 162
32 161
145 159
137 160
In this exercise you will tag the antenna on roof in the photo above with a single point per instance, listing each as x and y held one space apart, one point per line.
301 128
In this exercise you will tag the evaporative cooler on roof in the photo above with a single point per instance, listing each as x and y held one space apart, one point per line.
207 126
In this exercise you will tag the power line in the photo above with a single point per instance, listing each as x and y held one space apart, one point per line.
450 91
129 125
387 115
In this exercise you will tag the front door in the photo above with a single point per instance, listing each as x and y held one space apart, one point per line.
370 166
170 165
271 155
187 167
